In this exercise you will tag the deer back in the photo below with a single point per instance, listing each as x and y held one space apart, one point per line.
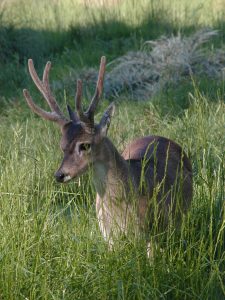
165 163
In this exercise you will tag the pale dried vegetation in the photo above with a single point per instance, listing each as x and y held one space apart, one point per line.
157 66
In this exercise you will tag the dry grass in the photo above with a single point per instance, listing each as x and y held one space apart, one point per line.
158 65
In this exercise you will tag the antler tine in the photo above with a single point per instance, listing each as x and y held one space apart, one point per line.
78 100
51 100
72 114
98 90
44 86
51 116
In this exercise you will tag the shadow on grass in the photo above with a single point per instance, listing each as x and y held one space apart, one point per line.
78 46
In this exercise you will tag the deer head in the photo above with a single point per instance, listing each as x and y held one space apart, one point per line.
81 136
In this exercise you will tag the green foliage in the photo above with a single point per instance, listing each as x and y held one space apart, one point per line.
67 31
50 243
51 246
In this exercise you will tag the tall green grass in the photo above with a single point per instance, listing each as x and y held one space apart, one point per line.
51 247
64 14
68 31
50 243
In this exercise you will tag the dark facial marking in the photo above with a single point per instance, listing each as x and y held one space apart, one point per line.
73 133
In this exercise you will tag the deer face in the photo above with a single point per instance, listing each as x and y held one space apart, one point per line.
80 135
80 144
76 145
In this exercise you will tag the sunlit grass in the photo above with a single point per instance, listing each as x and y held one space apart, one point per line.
51 247
50 243
68 31
61 15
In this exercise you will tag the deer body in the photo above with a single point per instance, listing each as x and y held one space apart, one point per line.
151 170
118 183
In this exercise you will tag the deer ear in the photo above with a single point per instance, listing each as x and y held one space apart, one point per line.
106 119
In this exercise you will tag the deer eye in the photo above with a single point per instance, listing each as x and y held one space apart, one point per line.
84 147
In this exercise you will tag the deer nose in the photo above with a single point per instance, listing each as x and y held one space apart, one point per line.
59 176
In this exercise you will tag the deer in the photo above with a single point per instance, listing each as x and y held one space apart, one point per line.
152 171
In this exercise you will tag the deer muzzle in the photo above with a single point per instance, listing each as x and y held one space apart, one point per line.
62 177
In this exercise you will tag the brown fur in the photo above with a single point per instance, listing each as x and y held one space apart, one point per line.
126 198
151 179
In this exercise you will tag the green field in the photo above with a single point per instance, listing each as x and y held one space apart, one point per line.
50 243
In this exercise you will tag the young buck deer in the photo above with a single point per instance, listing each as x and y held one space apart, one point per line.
151 170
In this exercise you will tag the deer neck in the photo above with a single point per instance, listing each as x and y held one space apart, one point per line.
111 172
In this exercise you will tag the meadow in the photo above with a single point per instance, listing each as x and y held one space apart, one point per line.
50 243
